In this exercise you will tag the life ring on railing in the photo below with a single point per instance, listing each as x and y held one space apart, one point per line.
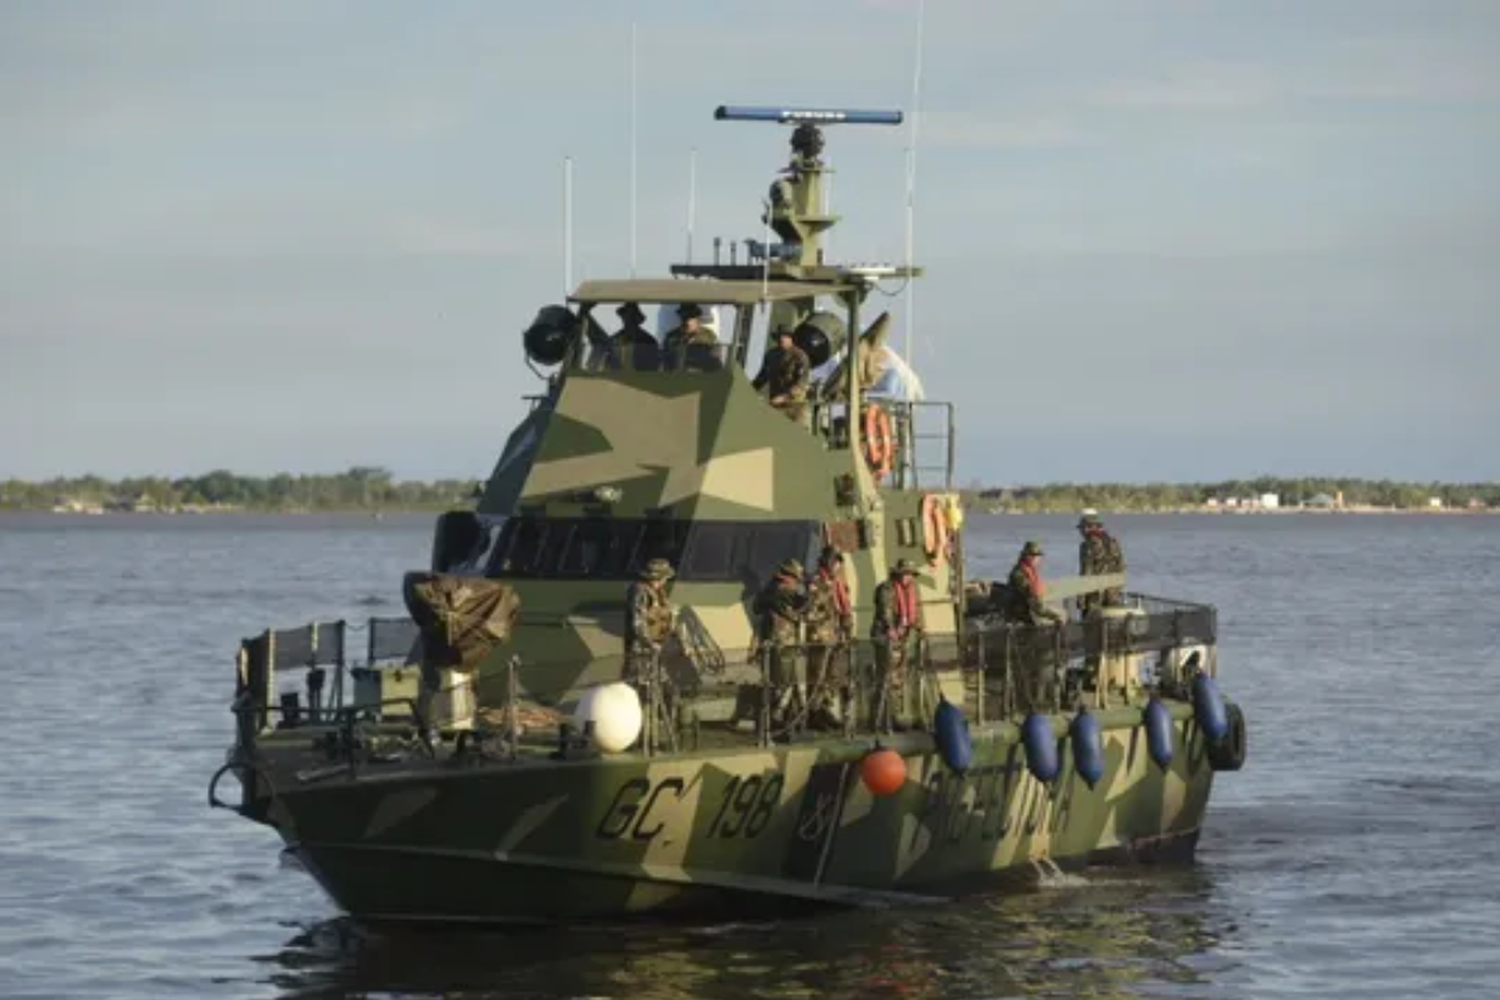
880 442
934 527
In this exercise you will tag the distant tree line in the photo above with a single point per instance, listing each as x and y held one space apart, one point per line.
1291 492
374 488
360 488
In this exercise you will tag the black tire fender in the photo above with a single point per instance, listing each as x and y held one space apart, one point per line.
1228 754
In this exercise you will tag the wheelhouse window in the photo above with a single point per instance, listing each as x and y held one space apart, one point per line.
617 549
464 542
735 550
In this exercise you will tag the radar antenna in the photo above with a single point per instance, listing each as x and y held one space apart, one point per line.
796 211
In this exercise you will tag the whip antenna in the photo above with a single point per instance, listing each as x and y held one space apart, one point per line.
632 149
567 225
911 174
692 199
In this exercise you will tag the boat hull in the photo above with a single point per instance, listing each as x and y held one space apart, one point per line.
735 833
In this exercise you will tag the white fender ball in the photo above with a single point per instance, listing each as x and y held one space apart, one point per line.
615 711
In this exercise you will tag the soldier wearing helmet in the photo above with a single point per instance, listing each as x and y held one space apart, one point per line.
780 608
1098 553
649 618
896 629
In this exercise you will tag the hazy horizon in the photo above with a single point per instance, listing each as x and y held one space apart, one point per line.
1166 241
969 483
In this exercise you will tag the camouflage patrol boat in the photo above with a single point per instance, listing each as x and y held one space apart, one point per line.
484 760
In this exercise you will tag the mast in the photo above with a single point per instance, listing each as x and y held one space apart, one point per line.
797 201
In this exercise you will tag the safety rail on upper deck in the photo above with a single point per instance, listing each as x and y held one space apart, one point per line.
914 446
995 671
314 648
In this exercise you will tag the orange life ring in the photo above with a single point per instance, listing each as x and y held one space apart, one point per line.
880 443
934 527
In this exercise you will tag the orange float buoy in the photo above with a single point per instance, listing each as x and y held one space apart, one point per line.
883 771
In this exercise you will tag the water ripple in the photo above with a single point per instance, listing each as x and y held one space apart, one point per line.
1355 856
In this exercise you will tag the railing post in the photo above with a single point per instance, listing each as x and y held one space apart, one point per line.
980 674
1102 669
763 724
952 433
268 695
512 716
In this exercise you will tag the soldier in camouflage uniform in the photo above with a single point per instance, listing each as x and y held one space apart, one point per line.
690 345
1098 553
897 630
1035 643
779 611
632 346
1024 590
649 619
830 625
784 374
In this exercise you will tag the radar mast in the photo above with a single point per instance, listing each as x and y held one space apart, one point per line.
795 204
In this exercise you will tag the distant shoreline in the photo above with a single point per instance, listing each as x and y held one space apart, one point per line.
376 491
379 513
88 511
1252 512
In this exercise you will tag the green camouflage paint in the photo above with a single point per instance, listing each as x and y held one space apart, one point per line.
629 835
733 824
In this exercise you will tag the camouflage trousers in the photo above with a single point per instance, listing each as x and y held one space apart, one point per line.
827 678
643 667
788 677
898 683
644 671
1114 598
639 659
1035 666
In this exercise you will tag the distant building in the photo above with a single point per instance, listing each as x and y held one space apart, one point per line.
1435 502
1270 501
1322 501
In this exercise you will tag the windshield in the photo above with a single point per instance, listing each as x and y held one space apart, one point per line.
617 548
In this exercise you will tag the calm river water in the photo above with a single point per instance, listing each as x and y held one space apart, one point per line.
1357 855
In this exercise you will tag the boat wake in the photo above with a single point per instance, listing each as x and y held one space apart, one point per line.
1050 876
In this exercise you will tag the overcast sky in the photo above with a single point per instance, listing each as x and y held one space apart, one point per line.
1165 240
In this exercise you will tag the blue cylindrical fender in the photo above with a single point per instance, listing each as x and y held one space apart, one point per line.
951 731
1208 708
1159 732
1041 747
1088 747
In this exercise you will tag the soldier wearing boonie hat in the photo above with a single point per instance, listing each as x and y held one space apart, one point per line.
897 623
649 617
779 610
